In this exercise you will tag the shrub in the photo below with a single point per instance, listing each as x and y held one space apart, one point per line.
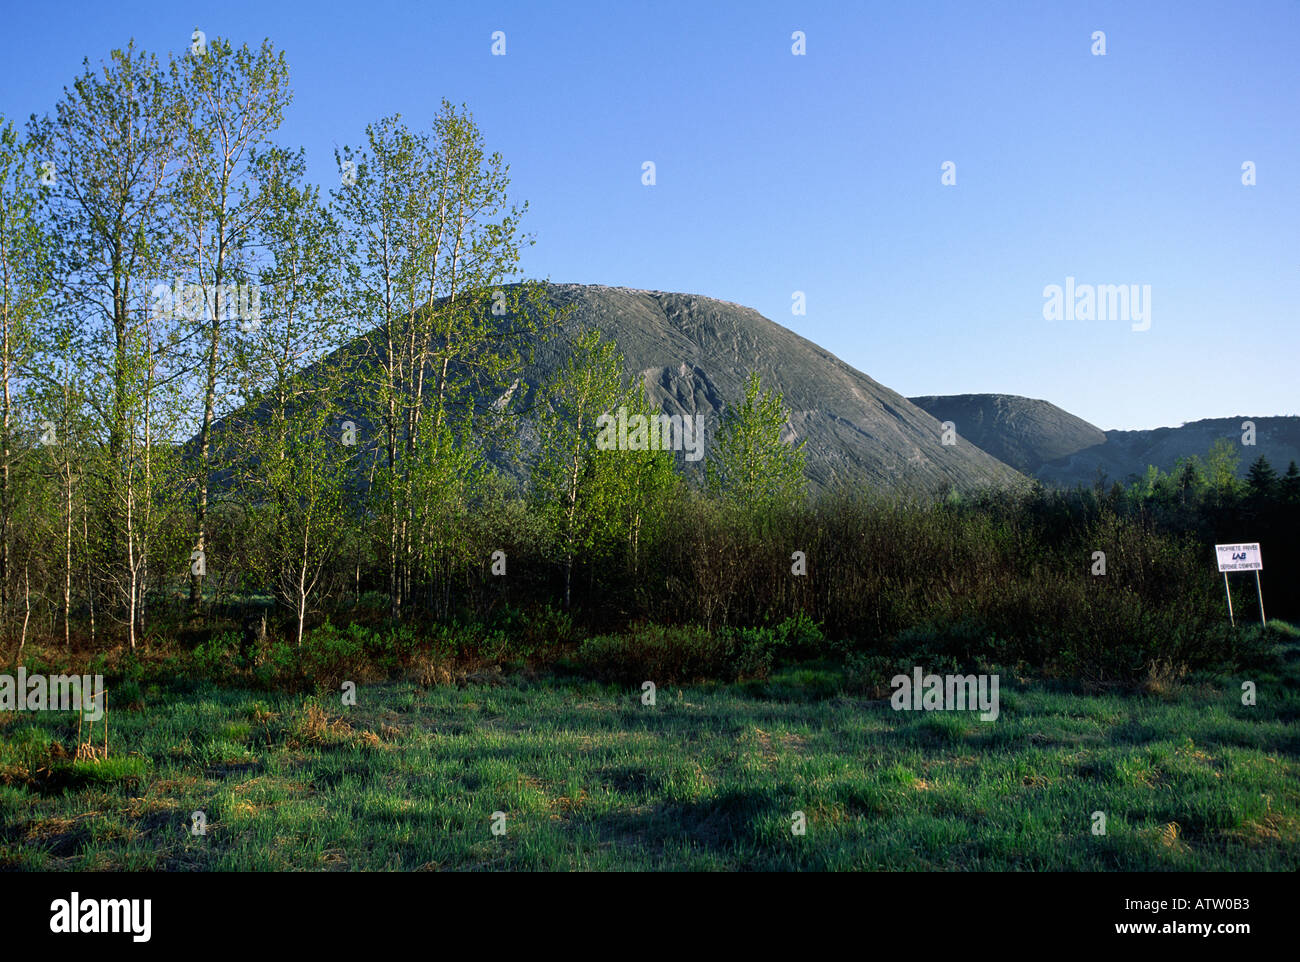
756 651
545 627
799 637
373 601
277 662
960 644
218 656
659 653
871 674
329 656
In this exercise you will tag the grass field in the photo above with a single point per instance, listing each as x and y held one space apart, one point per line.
709 778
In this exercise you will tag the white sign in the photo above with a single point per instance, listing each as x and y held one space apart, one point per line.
1239 557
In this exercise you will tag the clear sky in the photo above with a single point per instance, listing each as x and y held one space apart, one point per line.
822 173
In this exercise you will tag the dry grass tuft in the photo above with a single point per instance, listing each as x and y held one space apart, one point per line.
313 726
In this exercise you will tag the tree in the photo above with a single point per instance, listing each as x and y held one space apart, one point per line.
1221 470
1289 487
571 482
753 467
24 292
291 448
435 236
301 494
1261 480
235 100
1188 478
113 149
1153 486
640 487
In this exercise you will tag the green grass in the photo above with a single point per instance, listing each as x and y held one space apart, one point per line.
707 779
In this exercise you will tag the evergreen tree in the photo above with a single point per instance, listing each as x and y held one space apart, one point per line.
1189 479
1290 485
1261 480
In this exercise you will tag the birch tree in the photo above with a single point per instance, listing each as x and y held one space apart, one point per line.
571 481
235 99
112 145
295 462
24 288
435 238
753 467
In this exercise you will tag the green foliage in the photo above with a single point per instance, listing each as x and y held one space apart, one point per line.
433 237
392 538
330 655
796 638
1221 470
667 654
752 467
637 490
278 665
539 629
128 694
594 496
129 771
949 646
662 654
218 656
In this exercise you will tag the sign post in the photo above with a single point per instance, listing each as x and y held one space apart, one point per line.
1241 557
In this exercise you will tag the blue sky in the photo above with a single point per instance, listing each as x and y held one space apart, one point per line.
821 173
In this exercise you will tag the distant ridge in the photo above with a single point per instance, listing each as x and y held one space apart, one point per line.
1056 447
1025 433
1127 453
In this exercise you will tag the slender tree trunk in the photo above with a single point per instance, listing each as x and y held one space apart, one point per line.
67 559
90 584
569 519
130 559
27 609
5 496
205 459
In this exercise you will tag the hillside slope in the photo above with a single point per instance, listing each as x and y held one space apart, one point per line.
1129 452
1056 447
1025 433
693 353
